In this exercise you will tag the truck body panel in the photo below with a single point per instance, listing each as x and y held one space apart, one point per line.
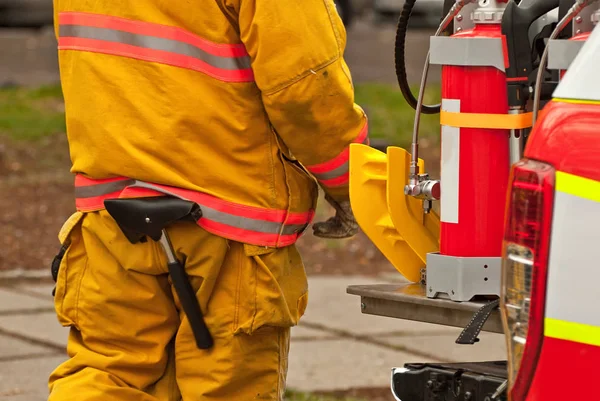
567 138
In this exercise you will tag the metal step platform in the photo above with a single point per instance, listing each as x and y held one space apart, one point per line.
476 381
410 302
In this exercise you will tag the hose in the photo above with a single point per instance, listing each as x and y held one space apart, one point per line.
399 58
414 166
573 11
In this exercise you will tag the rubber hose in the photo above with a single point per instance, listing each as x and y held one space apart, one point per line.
400 60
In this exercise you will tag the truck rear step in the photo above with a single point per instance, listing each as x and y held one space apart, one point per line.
477 381
409 301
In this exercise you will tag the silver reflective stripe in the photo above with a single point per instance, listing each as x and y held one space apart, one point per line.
561 53
337 172
155 43
573 273
246 223
450 165
482 52
582 80
92 191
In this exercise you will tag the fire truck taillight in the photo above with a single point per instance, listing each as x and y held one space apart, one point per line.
524 269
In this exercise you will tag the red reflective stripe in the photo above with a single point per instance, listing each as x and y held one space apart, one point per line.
341 158
215 227
276 216
331 164
299 217
152 55
151 29
337 181
95 203
234 233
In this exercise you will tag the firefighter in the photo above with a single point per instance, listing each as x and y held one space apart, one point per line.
241 107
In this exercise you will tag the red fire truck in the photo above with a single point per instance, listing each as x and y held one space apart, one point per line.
512 248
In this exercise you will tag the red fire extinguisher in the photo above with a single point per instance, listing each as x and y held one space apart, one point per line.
475 161
480 126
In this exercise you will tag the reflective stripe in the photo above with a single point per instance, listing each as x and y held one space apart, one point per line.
575 332
263 223
573 276
450 165
572 101
152 42
257 226
578 186
332 174
103 188
335 172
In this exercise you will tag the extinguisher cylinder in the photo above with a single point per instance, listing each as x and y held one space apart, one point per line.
475 162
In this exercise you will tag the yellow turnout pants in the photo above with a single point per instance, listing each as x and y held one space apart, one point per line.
130 340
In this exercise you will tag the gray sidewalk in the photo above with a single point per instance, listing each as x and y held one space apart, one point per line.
334 348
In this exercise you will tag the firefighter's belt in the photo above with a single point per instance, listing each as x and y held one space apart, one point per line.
490 121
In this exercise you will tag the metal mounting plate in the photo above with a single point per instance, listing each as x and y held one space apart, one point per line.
463 20
561 53
462 278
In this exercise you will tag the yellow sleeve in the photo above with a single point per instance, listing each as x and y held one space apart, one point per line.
297 47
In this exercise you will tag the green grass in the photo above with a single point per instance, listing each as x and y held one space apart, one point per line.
391 118
31 114
298 396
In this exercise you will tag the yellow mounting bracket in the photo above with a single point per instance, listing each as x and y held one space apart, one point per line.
396 223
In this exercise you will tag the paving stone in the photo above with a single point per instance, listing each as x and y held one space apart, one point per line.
337 347
27 380
329 305
342 364
302 332
24 397
12 348
16 301
40 326
41 290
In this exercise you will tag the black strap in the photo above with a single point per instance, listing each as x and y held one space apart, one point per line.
470 333
147 217
55 266
190 305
